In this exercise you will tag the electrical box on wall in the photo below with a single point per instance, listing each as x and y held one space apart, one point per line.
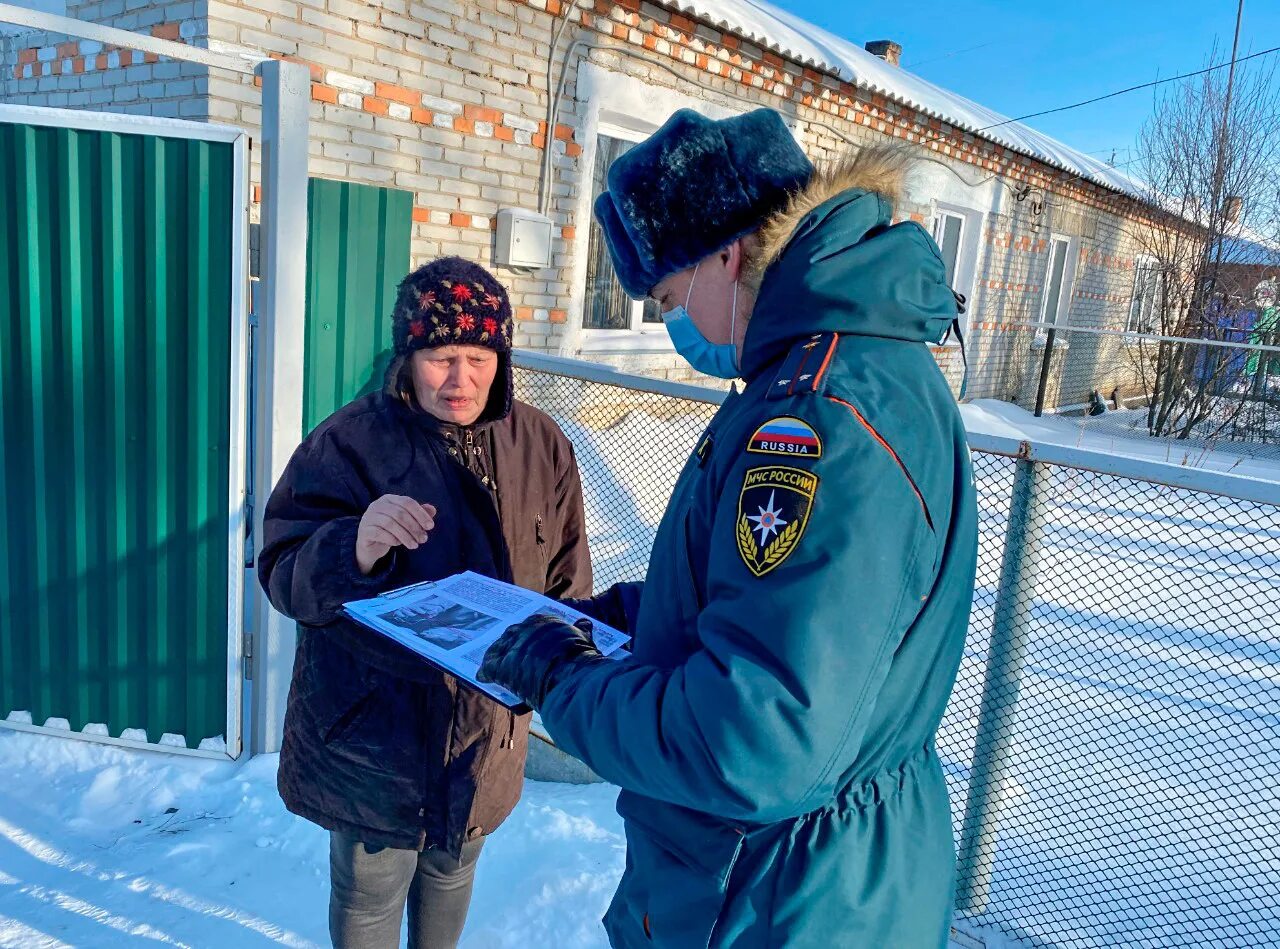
524 239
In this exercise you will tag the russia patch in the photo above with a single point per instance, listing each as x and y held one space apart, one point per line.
788 436
773 512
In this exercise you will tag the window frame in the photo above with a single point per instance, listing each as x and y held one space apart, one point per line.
941 215
1062 315
638 336
1142 264
967 249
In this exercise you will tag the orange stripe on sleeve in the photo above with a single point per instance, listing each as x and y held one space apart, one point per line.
831 351
893 454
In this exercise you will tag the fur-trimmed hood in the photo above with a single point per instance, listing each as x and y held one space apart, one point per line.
832 261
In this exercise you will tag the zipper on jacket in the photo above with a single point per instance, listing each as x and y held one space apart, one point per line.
473 451
728 875
537 529
504 554
464 452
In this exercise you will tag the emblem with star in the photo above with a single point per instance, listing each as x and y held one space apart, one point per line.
768 520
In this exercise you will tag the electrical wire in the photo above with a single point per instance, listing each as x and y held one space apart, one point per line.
957 52
1121 92
924 140
553 105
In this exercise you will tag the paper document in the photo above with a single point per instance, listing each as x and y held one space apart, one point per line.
452 622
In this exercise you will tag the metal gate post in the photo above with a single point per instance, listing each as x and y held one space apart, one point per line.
278 370
1015 599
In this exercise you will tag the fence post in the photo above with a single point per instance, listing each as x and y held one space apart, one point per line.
1015 599
278 370
1046 363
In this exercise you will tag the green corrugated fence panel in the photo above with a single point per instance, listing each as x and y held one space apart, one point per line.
357 253
115 341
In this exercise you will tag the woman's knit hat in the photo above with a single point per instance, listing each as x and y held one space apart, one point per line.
451 301
454 302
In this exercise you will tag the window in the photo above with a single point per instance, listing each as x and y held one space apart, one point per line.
606 307
1055 301
1144 308
948 230
956 230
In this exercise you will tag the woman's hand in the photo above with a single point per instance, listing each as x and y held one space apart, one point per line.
391 521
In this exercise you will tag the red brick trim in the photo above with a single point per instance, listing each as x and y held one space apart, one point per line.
69 57
707 48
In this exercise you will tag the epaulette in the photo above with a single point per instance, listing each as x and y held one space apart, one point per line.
805 368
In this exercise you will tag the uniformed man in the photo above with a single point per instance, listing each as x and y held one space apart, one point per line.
808 592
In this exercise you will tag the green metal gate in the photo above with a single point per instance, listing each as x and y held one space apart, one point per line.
122 293
357 253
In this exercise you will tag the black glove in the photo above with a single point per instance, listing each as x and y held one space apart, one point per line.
534 655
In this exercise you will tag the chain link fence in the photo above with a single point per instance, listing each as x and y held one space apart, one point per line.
1112 745
630 445
1221 393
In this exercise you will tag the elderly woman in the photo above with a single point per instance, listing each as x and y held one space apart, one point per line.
442 472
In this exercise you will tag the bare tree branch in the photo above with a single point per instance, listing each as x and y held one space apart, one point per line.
1215 175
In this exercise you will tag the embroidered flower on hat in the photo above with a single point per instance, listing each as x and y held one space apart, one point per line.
452 301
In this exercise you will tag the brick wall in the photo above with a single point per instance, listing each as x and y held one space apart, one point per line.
50 69
448 101
1006 359
439 99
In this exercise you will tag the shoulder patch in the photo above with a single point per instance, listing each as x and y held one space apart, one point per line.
773 512
805 367
703 451
786 435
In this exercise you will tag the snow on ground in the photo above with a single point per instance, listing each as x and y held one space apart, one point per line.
628 470
1143 804
629 467
1116 433
106 846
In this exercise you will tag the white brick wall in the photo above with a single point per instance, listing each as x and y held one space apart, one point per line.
447 100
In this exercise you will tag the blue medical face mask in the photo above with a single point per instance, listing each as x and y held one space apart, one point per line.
718 360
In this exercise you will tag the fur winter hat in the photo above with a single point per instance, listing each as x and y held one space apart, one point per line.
452 301
694 186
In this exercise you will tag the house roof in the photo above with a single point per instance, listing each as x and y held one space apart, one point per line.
801 41
1250 250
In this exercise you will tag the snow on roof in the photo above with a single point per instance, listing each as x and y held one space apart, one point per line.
799 40
1251 249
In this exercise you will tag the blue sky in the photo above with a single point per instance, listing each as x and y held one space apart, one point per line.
1044 55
